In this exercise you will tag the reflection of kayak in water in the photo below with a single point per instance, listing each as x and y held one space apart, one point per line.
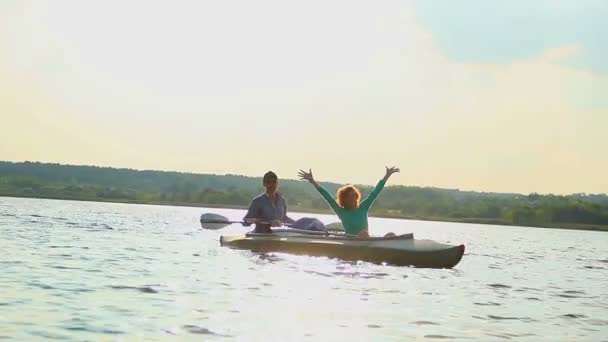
401 250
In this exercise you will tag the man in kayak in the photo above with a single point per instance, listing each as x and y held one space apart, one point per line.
268 209
352 213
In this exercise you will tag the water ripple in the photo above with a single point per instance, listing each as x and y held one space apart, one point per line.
594 267
501 318
363 275
319 273
195 329
48 335
144 289
508 336
441 337
598 322
41 285
488 304
61 267
424 323
571 294
573 316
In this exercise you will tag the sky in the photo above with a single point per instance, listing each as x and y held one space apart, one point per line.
501 96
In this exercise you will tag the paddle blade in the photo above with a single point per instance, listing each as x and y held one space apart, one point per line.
214 226
214 221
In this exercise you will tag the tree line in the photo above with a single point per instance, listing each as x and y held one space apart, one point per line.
44 180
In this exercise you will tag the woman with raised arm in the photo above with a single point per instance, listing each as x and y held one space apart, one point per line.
352 213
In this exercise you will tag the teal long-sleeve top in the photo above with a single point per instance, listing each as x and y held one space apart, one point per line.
353 220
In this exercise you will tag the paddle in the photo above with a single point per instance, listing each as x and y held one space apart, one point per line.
213 221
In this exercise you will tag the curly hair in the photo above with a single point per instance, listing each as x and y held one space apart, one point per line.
345 190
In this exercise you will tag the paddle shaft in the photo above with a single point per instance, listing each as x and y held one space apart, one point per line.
233 222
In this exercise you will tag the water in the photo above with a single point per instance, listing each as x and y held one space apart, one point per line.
88 271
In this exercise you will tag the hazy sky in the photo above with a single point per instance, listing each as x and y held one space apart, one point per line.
508 96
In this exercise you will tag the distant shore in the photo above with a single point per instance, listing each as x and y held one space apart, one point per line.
571 226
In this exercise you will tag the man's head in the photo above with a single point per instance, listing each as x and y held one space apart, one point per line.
271 182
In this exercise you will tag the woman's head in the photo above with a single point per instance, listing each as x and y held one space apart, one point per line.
348 197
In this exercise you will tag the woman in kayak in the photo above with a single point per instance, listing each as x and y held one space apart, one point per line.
351 212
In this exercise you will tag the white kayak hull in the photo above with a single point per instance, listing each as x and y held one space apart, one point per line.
401 250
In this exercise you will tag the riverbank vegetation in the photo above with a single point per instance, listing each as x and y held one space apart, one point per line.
43 180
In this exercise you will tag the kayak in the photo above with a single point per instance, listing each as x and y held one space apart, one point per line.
400 250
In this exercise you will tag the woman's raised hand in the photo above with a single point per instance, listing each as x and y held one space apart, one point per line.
390 171
306 175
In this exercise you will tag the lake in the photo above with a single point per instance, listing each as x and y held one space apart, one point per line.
88 271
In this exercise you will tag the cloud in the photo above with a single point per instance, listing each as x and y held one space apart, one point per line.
343 87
